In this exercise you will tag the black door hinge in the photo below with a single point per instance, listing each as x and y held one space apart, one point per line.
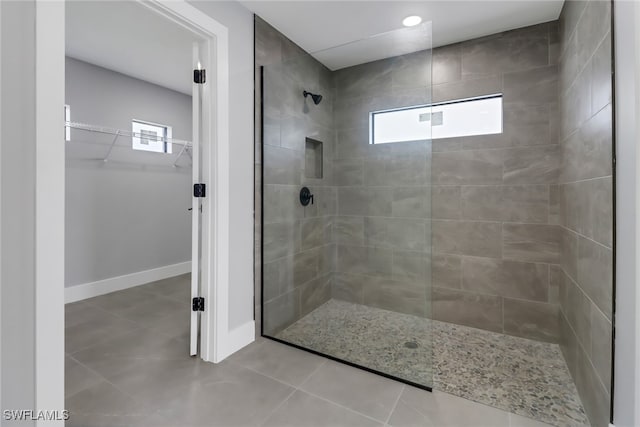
199 190
199 76
198 304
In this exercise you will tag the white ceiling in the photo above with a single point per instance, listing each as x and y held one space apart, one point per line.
131 39
321 25
126 37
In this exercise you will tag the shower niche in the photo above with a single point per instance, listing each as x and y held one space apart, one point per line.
313 159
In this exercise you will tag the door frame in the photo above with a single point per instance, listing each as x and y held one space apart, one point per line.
216 341
214 139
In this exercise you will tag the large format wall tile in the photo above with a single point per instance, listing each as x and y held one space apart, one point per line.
446 271
472 238
532 86
588 209
531 320
467 88
467 167
595 273
506 278
348 230
396 233
506 203
466 308
522 49
364 260
348 287
447 64
587 153
532 165
409 297
532 242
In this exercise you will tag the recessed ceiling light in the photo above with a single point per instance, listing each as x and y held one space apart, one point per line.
410 21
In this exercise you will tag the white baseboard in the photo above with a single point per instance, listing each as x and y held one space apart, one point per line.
238 338
101 287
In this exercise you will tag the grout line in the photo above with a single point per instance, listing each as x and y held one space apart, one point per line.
395 404
286 399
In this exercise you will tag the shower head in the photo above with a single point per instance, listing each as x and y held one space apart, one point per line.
316 98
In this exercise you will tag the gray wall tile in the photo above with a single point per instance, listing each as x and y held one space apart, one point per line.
532 165
531 320
532 86
348 287
468 167
600 352
595 273
447 64
506 278
411 202
532 242
467 88
466 308
409 297
396 233
472 238
511 51
446 271
348 230
446 202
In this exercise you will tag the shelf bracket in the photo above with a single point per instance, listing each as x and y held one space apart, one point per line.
106 158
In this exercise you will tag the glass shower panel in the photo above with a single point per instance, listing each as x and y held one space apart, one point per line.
346 234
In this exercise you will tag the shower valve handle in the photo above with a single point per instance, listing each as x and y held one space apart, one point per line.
305 196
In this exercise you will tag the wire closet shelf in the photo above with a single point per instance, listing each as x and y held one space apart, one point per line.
117 133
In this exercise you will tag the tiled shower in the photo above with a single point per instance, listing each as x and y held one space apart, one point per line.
492 252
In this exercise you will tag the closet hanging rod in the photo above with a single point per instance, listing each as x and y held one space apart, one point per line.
125 133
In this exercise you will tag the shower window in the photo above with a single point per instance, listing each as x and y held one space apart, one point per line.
463 117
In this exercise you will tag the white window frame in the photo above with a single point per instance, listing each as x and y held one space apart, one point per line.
429 136
67 119
163 146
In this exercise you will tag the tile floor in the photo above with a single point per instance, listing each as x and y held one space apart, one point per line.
127 364
522 376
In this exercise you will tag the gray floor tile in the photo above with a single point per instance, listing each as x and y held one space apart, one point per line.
226 396
174 325
121 300
279 361
355 389
169 286
148 313
156 383
420 408
103 399
520 421
85 334
102 420
78 377
81 312
110 357
304 410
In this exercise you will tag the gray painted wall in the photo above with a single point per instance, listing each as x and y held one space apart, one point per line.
129 214
17 226
626 410
585 199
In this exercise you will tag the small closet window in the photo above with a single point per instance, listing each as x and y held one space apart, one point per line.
67 119
151 137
